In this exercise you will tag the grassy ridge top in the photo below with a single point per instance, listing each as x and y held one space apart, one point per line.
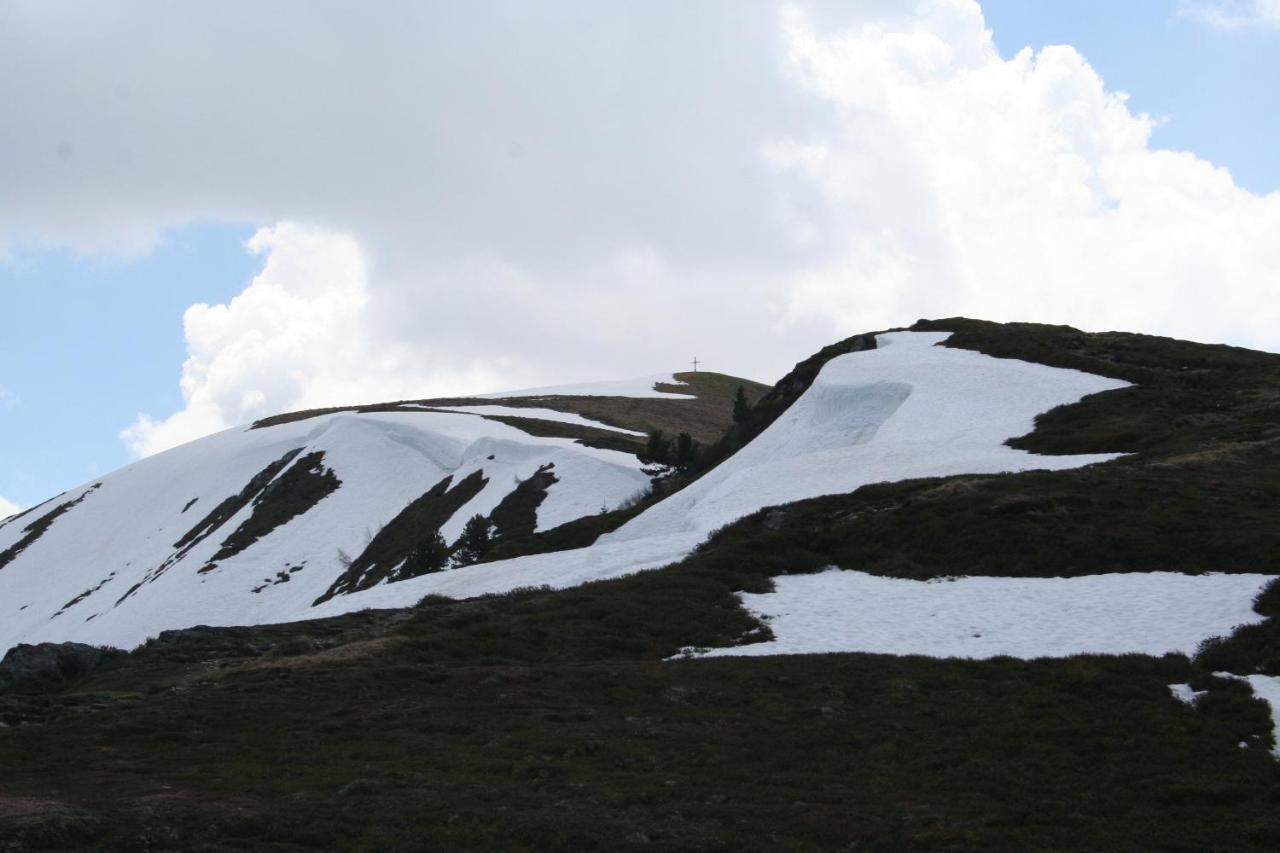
705 417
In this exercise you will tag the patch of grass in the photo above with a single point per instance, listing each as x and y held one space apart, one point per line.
705 417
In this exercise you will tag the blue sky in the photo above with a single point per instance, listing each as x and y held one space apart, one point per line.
92 337
1213 90
99 340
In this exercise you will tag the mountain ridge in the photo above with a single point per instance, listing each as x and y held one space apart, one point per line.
576 718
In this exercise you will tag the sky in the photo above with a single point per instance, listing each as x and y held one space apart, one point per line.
213 212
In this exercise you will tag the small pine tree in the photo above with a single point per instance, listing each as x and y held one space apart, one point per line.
431 554
657 449
741 408
686 451
475 541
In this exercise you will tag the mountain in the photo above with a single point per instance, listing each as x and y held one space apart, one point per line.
958 586
269 522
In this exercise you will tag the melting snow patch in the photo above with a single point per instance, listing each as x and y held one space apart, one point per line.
982 617
1184 694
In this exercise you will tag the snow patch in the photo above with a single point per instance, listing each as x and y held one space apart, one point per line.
1184 694
641 386
1152 613
521 412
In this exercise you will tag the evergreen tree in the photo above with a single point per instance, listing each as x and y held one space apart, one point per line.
475 541
741 408
686 451
657 449
431 554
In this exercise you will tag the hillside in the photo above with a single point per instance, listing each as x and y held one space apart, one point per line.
262 524
796 670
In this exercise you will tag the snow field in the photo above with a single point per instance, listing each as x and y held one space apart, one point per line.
1152 613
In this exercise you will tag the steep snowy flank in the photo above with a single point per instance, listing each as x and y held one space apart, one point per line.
253 525
906 409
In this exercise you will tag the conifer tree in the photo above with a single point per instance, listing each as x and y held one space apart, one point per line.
657 449
741 408
431 554
475 541
686 451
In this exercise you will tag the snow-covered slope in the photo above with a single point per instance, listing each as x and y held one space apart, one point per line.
909 408
126 559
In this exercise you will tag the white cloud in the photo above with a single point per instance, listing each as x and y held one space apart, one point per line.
1233 14
8 508
297 337
8 399
516 194
1016 189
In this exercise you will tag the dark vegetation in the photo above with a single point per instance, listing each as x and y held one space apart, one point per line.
578 533
392 545
37 528
548 720
228 507
431 554
517 513
474 542
302 486
680 453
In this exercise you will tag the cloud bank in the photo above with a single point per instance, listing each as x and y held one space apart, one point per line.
502 194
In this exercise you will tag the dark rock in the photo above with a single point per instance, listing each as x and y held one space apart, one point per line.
50 664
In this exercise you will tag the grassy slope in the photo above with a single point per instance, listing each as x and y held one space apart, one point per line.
547 720
705 418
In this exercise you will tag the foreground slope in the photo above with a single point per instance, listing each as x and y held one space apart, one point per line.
542 719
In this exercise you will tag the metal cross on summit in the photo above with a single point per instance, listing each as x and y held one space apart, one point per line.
695 364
